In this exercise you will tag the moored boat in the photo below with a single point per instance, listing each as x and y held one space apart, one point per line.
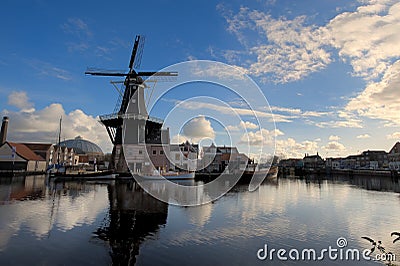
99 175
168 176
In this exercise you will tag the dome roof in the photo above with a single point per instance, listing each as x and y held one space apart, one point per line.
81 145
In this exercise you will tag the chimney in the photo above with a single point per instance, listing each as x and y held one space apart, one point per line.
3 132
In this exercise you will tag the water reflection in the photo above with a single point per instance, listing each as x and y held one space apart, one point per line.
31 204
368 183
116 222
22 188
133 216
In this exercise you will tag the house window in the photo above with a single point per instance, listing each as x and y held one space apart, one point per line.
140 151
177 157
154 152
161 152
138 167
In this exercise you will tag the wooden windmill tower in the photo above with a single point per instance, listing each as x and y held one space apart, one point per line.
148 128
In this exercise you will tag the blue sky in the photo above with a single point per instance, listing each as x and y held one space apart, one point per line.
330 70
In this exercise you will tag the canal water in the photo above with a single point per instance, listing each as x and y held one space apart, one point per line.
117 223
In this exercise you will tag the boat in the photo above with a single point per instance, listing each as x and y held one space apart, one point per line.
270 173
57 168
169 176
83 176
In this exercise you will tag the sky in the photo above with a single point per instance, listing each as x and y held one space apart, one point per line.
329 70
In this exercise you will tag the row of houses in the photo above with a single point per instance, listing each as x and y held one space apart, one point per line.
191 157
370 159
37 157
34 157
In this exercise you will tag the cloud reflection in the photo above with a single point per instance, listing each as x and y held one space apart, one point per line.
59 211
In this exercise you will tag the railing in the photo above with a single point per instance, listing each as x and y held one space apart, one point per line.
131 116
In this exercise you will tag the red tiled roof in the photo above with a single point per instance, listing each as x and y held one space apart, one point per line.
23 151
38 146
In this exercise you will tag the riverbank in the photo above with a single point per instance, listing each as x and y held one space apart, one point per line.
20 173
294 171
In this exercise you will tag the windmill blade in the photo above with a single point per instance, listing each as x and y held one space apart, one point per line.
105 72
134 51
110 74
139 52
160 78
369 239
155 73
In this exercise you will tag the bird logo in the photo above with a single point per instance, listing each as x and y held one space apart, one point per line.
395 234
375 244
384 256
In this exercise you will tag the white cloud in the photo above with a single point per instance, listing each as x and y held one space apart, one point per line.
286 110
79 29
394 135
248 125
232 128
43 125
195 105
77 47
290 148
298 113
368 37
260 137
380 100
48 69
293 50
347 123
288 50
288 117
334 138
179 139
278 132
314 114
20 100
220 71
363 136
334 146
76 26
293 149
242 125
197 129
285 115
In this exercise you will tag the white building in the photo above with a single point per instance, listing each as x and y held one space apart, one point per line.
394 157
183 156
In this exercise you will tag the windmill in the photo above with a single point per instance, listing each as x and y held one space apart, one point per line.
133 92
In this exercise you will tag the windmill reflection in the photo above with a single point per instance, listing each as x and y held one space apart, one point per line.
133 216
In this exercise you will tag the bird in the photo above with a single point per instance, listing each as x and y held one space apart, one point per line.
380 247
395 234
373 242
